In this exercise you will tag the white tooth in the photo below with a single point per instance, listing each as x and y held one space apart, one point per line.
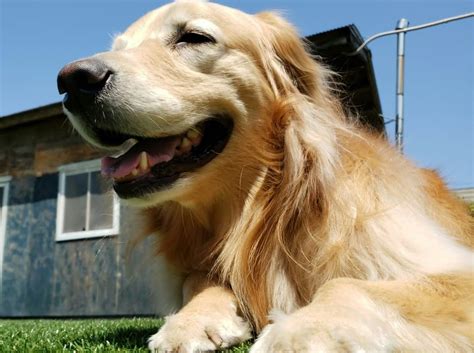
185 145
193 134
135 172
143 161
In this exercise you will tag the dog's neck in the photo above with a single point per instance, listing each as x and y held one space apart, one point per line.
191 227
252 211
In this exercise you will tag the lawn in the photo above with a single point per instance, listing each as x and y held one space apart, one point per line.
95 335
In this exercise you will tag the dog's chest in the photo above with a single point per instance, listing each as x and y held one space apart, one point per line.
281 290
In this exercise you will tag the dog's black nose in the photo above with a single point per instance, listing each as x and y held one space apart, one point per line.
83 77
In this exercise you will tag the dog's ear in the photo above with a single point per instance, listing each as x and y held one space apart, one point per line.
290 53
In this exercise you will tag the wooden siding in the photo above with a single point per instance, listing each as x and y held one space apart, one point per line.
42 277
41 147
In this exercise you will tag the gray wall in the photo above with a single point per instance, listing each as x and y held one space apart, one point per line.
42 277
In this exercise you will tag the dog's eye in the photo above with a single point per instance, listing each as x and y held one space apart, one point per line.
194 38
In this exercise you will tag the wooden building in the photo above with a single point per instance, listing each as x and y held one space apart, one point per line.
63 233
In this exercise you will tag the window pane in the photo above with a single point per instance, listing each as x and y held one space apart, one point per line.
75 199
102 204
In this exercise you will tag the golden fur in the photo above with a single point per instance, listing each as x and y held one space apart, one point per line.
316 231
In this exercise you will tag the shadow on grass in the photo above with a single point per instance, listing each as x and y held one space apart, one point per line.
136 339
124 338
132 337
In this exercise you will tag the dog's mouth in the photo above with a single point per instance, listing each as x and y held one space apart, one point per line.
147 165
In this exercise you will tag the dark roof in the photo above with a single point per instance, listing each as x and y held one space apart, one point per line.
32 115
356 72
356 75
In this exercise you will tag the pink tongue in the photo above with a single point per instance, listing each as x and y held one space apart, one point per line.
158 151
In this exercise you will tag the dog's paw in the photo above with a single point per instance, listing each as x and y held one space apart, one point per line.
301 333
194 333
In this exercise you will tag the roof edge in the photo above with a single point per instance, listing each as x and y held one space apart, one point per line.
28 116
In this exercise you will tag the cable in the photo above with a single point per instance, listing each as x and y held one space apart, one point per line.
409 29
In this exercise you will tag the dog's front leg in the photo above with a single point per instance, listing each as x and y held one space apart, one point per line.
346 315
208 321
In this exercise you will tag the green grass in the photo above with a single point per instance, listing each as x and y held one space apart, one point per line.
98 335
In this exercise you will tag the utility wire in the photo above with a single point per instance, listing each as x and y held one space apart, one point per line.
409 29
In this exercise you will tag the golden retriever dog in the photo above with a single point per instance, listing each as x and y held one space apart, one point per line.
289 220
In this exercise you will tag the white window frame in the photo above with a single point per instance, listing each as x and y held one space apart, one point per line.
5 184
81 168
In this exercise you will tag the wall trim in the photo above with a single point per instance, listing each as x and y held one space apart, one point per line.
5 184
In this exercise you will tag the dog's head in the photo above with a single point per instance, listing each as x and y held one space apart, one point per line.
176 97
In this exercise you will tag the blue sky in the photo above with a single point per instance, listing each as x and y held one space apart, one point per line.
38 37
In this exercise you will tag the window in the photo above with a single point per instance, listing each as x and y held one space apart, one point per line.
4 187
87 207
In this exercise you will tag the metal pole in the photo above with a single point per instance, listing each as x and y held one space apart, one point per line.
409 29
402 24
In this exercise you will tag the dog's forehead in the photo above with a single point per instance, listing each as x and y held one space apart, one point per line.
199 15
